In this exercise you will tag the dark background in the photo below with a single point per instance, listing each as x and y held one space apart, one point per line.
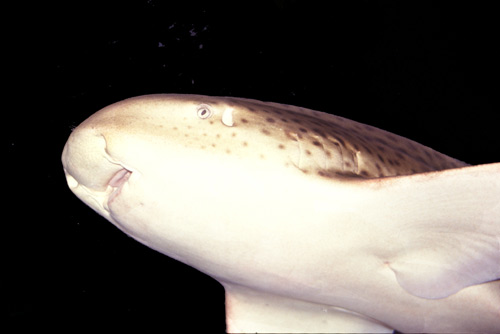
426 71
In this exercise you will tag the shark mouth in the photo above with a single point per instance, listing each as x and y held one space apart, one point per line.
117 182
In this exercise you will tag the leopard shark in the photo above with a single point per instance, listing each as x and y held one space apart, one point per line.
311 222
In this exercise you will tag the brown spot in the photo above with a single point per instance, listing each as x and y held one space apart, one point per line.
319 132
358 126
245 143
381 141
266 131
341 141
302 130
233 134
392 137
328 153
364 173
421 160
228 151
284 120
412 145
244 120
365 138
281 146
348 164
402 150
337 145
308 152
270 120
354 131
378 167
291 135
436 155
295 120
316 143
381 158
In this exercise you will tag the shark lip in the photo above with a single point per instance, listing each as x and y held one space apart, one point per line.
119 178
117 182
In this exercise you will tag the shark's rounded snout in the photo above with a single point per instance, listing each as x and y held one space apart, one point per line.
90 172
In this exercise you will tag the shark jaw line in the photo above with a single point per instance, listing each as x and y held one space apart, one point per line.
117 182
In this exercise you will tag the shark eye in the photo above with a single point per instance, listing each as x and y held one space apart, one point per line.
204 111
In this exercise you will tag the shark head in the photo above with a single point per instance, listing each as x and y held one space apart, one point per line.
318 217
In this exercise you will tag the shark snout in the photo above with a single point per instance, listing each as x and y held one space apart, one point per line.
93 175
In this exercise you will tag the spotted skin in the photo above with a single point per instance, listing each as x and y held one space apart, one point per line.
331 145
312 141
311 222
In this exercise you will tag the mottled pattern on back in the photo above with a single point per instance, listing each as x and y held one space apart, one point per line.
331 145
316 143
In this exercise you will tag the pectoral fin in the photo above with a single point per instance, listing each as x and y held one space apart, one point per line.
442 270
448 230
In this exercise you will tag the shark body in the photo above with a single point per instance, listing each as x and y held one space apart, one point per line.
311 222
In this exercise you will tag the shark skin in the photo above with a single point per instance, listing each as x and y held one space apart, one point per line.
311 222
